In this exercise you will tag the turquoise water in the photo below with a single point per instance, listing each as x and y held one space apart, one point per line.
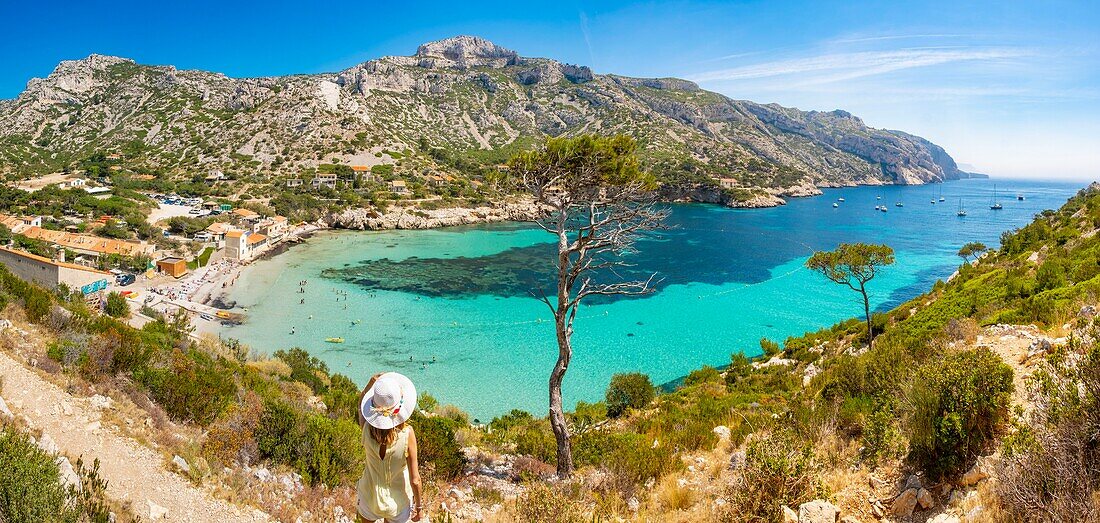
452 308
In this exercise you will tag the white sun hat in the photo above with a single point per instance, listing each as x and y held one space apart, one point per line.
390 401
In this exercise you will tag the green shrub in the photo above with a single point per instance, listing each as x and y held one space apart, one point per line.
779 469
528 435
586 414
705 374
1051 463
305 368
436 445
192 388
30 485
31 489
329 451
116 306
277 432
631 458
628 391
956 406
768 347
740 367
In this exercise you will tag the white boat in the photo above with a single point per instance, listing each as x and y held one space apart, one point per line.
840 199
962 212
835 205
996 206
899 204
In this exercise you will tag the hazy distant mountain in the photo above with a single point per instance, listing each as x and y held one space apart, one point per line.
469 98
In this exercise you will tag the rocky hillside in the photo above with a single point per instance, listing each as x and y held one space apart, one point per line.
469 100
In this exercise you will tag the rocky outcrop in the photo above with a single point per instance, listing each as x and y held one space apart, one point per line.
412 218
461 95
465 51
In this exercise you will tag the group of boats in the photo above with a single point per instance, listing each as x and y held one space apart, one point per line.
994 203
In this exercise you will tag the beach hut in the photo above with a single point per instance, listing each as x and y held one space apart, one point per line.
174 267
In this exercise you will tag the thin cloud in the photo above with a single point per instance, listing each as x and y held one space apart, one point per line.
880 38
838 67
587 38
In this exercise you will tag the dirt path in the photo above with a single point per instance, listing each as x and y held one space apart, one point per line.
135 473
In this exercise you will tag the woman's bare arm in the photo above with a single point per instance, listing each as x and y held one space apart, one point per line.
414 476
362 420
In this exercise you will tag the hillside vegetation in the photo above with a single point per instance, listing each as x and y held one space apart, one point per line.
946 416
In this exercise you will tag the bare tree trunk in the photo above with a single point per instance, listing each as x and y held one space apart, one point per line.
867 313
557 414
563 326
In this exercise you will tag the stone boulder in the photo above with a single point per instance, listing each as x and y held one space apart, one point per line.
817 511
905 503
924 498
977 473
156 511
789 515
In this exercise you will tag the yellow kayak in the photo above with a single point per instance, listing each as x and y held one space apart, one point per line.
335 340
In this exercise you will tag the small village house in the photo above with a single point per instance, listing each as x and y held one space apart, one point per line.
399 187
275 228
244 245
52 274
215 176
325 180
217 231
293 182
245 216
363 173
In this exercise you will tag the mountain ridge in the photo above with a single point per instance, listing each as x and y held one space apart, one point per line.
466 96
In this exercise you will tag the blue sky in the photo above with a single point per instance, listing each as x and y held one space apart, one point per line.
1012 89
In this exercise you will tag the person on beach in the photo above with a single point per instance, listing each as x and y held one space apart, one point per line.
389 489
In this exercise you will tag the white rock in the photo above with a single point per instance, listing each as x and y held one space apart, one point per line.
181 464
156 511
789 515
263 474
722 431
817 511
4 411
68 474
99 402
808 375
47 444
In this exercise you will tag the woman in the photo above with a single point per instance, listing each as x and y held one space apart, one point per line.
390 487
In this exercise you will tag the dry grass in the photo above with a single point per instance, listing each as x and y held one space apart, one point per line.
674 495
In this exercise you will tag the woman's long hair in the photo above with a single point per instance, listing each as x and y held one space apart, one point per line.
385 436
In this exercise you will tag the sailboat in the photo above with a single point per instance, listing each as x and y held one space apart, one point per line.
996 206
962 212
942 199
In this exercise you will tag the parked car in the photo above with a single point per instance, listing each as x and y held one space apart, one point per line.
125 279
206 317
